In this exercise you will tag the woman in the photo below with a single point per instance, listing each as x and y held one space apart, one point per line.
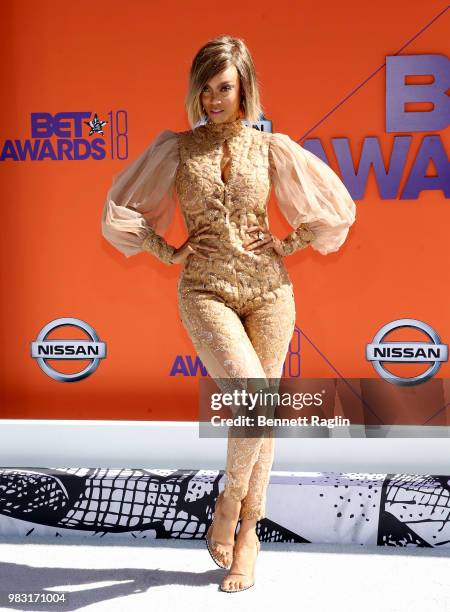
235 296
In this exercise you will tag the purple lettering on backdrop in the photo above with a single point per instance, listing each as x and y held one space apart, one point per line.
430 148
98 151
81 145
45 125
388 182
398 93
356 182
69 143
61 149
61 128
47 151
314 145
21 151
41 125
65 149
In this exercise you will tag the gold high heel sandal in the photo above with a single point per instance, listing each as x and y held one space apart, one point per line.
258 547
210 543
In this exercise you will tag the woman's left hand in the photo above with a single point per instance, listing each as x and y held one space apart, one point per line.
263 240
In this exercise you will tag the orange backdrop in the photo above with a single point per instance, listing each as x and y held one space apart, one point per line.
321 70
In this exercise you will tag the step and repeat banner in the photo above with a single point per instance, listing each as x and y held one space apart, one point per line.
91 334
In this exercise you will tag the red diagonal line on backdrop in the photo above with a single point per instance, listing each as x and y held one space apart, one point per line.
304 136
436 413
340 376
374 73
354 391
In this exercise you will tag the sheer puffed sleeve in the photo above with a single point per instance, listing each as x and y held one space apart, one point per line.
141 202
311 196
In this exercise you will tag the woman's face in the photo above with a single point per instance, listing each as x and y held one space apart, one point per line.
222 92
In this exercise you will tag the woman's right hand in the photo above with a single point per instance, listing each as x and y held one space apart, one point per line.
192 246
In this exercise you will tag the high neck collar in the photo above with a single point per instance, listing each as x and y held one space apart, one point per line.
225 129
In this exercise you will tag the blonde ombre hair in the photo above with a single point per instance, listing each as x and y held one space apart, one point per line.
217 55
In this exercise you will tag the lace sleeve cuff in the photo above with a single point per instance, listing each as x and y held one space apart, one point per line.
157 246
300 238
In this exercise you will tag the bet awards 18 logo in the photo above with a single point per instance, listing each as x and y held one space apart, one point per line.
70 136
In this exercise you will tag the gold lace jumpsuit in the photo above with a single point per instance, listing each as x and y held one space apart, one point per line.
237 306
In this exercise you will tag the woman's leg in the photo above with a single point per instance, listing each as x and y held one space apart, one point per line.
224 347
221 341
270 328
248 351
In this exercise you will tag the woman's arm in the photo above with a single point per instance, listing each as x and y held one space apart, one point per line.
296 240
311 196
141 202
156 245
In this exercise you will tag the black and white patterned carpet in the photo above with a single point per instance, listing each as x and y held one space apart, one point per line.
317 507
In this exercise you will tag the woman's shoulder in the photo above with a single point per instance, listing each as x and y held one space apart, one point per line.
165 135
256 132
185 135
277 137
164 145
257 135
